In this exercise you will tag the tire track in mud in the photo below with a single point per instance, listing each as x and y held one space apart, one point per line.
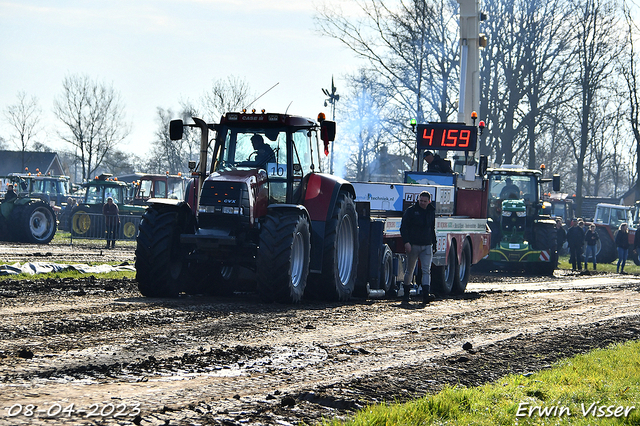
237 359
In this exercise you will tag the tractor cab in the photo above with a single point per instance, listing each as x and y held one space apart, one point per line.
523 232
285 148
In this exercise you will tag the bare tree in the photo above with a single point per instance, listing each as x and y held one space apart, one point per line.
93 117
174 156
231 94
24 117
597 47
410 48
629 71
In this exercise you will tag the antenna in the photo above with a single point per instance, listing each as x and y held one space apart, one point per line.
285 111
268 90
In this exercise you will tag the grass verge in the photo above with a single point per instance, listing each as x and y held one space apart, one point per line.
601 387
630 267
70 274
64 238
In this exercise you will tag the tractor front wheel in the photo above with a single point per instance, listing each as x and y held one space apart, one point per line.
161 261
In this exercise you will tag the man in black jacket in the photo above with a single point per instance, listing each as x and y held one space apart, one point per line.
436 164
418 231
575 238
11 194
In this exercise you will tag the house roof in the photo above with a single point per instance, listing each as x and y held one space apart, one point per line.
46 162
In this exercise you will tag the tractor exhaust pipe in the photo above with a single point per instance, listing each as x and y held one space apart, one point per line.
204 147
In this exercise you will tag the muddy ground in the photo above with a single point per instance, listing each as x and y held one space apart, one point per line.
120 358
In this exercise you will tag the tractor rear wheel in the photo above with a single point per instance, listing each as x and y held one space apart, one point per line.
283 257
81 223
161 261
340 252
128 228
36 223
605 247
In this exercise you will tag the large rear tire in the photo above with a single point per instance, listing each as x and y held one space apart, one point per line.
283 257
605 247
161 261
81 223
340 252
36 223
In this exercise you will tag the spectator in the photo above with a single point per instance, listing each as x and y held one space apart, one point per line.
418 231
636 243
11 194
622 242
575 238
112 221
561 236
436 164
590 238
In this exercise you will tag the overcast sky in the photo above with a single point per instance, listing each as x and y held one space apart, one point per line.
156 53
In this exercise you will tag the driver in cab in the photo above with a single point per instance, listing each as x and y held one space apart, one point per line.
510 191
264 152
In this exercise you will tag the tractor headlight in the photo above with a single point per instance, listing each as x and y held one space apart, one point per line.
506 213
521 214
231 210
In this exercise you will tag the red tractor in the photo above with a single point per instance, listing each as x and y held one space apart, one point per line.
262 208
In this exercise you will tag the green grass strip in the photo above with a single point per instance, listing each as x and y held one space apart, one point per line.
598 388
71 274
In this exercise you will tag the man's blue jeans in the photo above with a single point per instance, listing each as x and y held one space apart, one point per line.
590 251
425 254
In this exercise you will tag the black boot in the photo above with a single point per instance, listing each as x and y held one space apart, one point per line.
406 297
427 297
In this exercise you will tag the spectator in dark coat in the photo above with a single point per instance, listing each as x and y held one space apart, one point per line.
575 238
111 220
622 242
591 237
436 164
11 194
561 236
418 231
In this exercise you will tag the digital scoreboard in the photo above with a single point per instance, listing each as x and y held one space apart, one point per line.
447 136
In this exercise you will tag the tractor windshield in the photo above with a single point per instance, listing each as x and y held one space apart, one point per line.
513 187
99 194
258 148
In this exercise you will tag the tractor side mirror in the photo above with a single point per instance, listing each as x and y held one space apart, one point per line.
175 130
328 130
556 182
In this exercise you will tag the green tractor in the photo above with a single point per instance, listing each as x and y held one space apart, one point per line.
27 220
86 220
524 236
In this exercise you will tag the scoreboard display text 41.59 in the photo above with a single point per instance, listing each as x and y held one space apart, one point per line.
447 136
